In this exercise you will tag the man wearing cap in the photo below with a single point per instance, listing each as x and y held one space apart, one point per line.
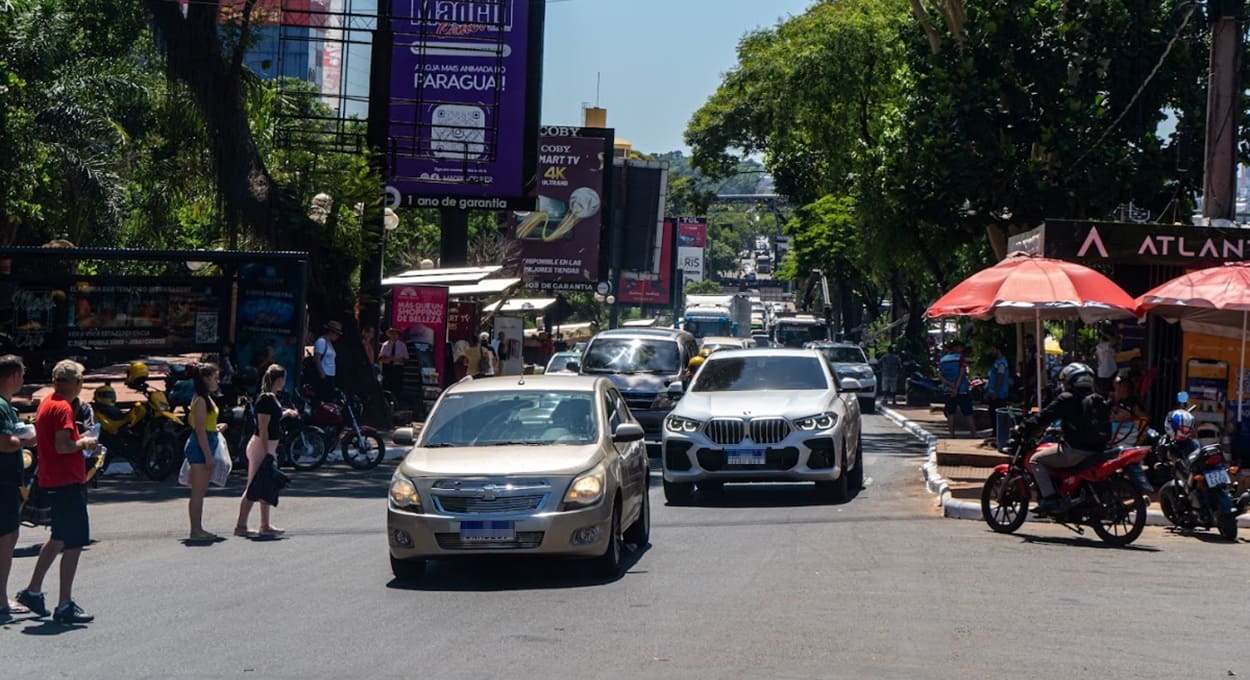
326 358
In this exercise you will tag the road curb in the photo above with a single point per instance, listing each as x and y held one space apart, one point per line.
958 509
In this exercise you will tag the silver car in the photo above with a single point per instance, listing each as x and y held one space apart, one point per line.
757 415
849 361
551 465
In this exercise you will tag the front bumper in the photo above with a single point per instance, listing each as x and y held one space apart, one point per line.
803 456
420 536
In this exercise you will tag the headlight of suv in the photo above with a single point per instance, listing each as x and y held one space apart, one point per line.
403 494
680 425
823 421
587 489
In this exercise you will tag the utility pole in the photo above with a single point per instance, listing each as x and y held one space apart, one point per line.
1219 185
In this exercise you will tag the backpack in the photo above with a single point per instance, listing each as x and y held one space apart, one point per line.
1096 411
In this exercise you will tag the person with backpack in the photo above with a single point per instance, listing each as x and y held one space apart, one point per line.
325 359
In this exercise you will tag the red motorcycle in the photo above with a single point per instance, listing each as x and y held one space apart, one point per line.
337 423
1097 493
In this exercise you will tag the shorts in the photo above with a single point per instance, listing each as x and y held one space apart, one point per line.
889 384
10 508
69 515
962 401
192 450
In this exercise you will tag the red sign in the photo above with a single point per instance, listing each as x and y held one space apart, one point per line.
420 313
692 232
646 288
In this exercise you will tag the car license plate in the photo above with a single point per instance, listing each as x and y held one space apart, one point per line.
487 531
1217 477
746 457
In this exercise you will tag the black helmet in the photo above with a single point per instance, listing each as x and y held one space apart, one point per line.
1077 377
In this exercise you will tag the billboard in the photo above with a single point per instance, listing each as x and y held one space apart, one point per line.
692 232
465 93
559 244
461 327
652 288
270 322
420 313
690 263
509 332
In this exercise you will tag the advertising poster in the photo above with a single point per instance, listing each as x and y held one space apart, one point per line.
149 313
692 232
461 325
647 288
464 101
1206 381
270 325
560 241
420 313
690 263
506 339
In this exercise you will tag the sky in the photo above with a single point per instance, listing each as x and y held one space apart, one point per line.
659 59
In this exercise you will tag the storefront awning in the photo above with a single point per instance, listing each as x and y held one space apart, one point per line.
483 288
520 305
452 276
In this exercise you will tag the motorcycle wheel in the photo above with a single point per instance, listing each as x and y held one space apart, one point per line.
163 456
369 457
1003 507
1227 525
307 450
1169 504
1122 516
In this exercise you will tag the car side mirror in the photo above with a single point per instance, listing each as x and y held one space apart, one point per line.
403 436
573 367
850 385
676 390
627 432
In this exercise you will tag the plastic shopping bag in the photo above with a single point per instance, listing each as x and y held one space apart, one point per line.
184 475
222 465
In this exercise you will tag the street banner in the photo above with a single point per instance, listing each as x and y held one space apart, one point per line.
465 95
506 338
559 244
420 313
692 232
690 263
270 324
651 288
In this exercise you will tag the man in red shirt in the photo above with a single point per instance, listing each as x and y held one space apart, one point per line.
63 476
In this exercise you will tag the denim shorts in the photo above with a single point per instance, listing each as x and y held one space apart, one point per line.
69 515
192 451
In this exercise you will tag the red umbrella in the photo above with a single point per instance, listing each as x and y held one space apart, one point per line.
1218 296
1025 288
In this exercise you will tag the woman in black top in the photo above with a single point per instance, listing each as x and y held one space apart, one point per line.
261 453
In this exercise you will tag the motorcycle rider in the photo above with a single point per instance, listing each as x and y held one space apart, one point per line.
1085 418
1179 427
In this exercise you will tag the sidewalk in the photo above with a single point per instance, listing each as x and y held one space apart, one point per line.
958 467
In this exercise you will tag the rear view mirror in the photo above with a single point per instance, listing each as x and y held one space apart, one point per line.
1182 398
850 385
403 436
675 390
627 432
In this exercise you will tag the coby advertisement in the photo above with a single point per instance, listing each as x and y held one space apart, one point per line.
560 241
420 313
465 92
270 317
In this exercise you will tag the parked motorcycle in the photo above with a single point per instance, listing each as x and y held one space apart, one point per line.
300 447
337 423
1200 491
1097 493
147 435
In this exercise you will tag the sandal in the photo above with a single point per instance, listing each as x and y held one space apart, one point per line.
242 531
271 531
205 537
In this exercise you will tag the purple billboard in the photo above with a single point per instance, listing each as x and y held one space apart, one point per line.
559 243
464 104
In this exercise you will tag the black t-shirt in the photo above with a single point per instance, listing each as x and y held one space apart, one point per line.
1085 420
268 404
10 463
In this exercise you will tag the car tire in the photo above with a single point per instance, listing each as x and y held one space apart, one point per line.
868 406
855 478
835 492
407 570
639 533
678 493
608 565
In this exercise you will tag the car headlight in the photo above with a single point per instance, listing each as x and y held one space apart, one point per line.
823 421
586 489
681 425
404 494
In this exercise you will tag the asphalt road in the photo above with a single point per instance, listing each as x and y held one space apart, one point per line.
765 583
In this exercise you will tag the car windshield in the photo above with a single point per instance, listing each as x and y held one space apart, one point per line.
752 373
517 417
560 361
795 336
844 355
703 328
632 355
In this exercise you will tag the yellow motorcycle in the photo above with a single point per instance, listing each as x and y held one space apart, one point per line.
147 435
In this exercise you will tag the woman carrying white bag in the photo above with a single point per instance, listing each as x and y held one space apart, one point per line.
206 458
